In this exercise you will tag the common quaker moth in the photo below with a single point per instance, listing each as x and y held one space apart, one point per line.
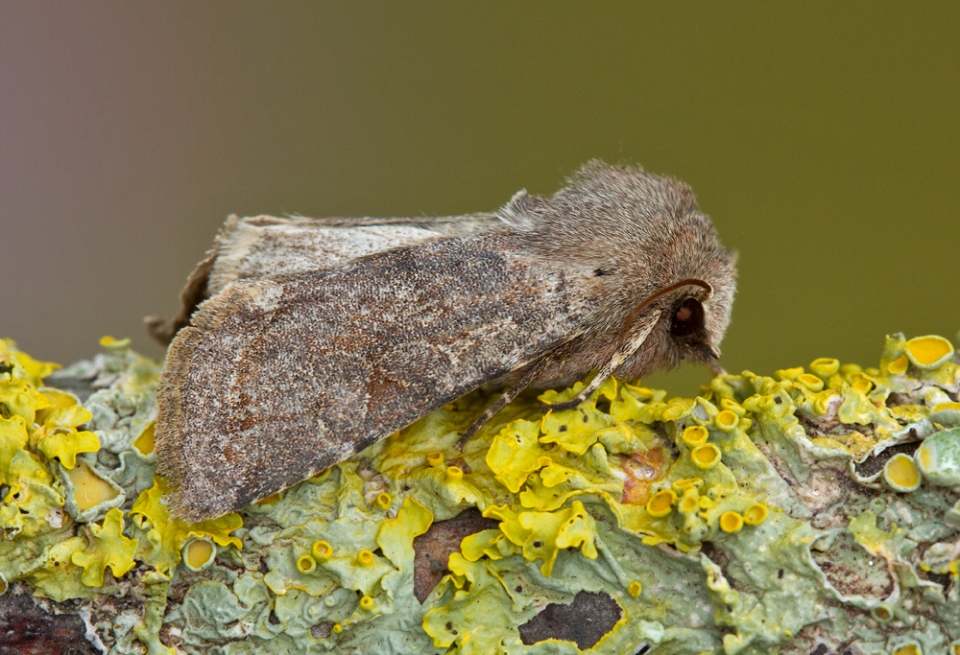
303 341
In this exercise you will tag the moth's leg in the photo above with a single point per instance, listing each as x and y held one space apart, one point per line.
715 368
531 374
626 350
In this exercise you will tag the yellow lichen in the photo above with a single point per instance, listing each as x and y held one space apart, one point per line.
22 365
66 445
89 489
705 456
661 503
909 649
551 532
862 384
165 536
30 497
726 420
576 430
928 352
882 613
731 521
108 547
898 366
384 500
108 342
321 549
824 367
541 535
901 473
516 453
198 553
146 441
755 514
690 502
272 499
396 535
811 382
617 461
454 473
683 483
694 435
486 543
306 564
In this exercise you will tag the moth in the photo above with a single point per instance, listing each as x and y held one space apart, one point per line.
301 342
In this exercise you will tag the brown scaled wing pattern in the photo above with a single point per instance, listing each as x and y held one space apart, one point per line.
330 361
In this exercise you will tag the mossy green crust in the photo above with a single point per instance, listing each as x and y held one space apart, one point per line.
768 515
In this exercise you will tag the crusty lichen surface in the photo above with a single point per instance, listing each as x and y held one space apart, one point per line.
811 511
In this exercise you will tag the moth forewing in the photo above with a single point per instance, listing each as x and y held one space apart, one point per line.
281 378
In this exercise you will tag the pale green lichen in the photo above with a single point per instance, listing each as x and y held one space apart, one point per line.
770 514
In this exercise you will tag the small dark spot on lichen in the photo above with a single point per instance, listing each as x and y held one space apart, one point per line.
273 620
449 625
822 649
780 574
537 544
321 630
518 589
562 428
778 400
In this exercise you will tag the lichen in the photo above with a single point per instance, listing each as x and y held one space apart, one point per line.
819 505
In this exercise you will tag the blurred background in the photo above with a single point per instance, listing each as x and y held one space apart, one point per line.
823 138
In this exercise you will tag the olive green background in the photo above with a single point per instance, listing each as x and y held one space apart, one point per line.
823 138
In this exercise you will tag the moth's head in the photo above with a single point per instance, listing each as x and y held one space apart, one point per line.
642 248
692 315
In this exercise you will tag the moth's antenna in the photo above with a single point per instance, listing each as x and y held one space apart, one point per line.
691 281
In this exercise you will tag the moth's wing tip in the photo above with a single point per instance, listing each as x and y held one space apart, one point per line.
186 501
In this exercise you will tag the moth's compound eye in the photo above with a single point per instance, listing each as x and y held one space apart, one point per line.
687 318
